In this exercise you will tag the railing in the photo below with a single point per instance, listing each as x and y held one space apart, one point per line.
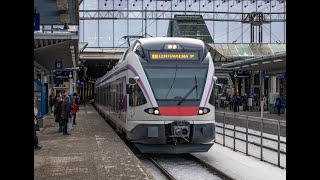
258 137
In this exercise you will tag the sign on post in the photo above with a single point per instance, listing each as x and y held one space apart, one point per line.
281 75
58 65
251 92
266 74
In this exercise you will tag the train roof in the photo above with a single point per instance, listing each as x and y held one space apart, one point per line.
157 42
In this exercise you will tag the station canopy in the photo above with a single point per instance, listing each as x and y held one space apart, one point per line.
52 47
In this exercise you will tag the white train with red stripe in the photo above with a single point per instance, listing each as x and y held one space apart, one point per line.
160 95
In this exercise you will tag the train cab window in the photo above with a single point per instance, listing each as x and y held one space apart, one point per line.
138 50
137 98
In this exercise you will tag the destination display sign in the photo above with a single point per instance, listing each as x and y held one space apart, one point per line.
174 56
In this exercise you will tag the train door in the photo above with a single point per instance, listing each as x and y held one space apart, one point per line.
122 103
136 99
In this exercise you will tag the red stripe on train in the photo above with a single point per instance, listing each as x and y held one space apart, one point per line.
178 111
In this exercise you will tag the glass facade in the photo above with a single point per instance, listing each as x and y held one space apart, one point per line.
104 23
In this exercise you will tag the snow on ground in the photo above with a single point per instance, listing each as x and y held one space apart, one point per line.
239 166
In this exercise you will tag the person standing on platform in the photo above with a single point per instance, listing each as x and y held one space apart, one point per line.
74 110
264 100
235 102
51 103
245 102
65 115
58 113
35 137
278 105
75 96
238 102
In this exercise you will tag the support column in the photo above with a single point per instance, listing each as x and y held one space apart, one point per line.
42 76
70 86
92 89
251 84
85 89
89 89
243 86
261 80
236 85
75 81
34 73
273 93
273 84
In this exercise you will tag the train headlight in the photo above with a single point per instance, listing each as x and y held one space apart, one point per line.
150 111
154 111
203 110
172 46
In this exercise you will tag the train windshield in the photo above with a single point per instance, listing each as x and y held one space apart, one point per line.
177 83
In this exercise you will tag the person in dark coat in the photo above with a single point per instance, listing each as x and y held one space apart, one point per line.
51 103
278 105
66 114
235 102
245 101
58 113
239 102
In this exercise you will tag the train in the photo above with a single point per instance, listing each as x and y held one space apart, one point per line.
160 95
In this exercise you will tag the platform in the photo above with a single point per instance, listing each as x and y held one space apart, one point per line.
266 114
92 151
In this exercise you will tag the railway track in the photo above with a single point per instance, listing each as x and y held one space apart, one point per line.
185 166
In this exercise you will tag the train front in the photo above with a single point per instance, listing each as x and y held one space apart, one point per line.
181 77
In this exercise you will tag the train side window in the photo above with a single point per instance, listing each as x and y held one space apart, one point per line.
137 98
212 96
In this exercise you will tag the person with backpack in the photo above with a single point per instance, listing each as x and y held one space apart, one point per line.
278 105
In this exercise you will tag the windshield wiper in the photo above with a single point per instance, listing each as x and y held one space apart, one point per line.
194 87
175 74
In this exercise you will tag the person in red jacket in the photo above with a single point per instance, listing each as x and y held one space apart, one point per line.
74 110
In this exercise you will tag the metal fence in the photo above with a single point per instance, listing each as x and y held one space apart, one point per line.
262 138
